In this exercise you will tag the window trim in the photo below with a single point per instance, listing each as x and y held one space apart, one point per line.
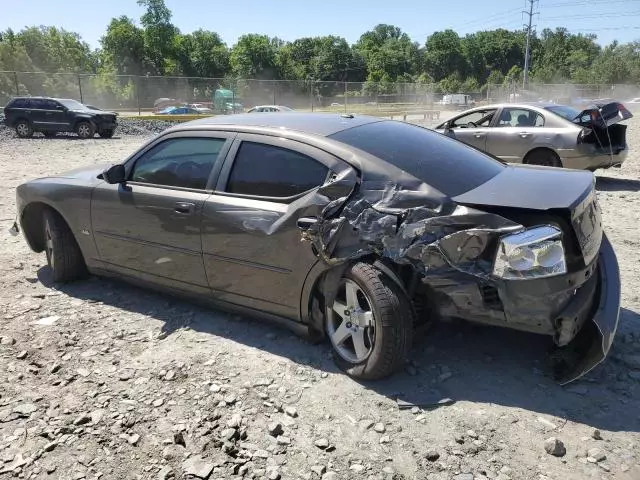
329 161
215 171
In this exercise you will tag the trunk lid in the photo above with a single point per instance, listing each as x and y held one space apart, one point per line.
530 187
603 114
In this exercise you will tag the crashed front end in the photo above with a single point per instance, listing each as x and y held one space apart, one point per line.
550 271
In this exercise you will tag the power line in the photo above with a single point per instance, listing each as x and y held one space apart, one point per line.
584 3
603 15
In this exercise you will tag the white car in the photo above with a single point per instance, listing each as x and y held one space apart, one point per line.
200 108
269 108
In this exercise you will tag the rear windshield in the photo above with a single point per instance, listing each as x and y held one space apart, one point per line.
565 112
449 166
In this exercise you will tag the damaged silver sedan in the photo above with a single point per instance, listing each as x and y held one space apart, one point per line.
354 229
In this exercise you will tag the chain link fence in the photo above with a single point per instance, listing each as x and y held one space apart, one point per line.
142 94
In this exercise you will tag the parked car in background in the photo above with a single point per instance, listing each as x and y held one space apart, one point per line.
50 116
545 133
457 100
179 111
269 108
353 228
201 108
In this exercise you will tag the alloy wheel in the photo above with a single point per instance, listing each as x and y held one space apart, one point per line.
84 130
351 324
23 129
49 244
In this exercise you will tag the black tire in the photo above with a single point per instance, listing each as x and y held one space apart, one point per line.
106 133
393 320
24 129
543 157
50 134
85 130
63 253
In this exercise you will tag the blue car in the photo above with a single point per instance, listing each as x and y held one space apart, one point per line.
179 111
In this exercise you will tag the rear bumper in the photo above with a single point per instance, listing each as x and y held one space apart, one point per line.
593 342
591 161
579 310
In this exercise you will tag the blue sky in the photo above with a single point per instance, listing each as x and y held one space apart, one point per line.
291 19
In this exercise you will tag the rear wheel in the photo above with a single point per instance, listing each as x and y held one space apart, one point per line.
106 133
63 253
543 157
85 130
369 324
24 129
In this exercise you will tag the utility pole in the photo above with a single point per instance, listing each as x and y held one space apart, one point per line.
528 45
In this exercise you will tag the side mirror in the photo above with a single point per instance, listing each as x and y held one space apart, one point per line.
447 126
114 174
61 107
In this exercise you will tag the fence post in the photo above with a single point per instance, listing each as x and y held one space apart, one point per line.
311 93
80 89
346 85
274 93
138 94
15 79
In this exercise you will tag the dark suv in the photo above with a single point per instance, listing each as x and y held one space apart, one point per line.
52 115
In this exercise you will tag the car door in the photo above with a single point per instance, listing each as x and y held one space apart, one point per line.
251 238
56 116
472 127
37 113
515 132
149 226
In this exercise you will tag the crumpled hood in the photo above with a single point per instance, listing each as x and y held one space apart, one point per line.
532 187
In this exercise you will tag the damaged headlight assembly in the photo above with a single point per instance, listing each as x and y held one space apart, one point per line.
533 253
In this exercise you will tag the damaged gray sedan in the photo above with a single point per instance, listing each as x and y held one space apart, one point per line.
352 228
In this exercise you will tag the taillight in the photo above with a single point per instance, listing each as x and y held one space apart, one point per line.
585 132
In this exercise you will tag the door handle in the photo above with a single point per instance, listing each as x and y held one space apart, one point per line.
185 208
524 134
306 223
478 135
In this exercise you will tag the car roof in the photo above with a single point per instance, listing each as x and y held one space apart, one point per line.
322 124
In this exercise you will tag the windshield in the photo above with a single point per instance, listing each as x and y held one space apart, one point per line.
565 112
449 166
73 104
285 109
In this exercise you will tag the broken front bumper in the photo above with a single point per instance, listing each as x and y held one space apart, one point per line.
593 341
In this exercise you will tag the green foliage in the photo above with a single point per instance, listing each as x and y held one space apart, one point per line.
254 56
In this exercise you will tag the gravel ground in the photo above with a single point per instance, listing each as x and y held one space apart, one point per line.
102 380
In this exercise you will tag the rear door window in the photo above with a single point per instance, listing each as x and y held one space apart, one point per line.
520 117
268 171
38 104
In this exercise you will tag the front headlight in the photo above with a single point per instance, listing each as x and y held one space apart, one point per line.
533 253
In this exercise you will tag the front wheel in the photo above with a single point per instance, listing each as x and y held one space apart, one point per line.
85 130
369 324
63 253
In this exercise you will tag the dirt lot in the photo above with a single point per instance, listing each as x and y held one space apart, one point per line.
102 380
